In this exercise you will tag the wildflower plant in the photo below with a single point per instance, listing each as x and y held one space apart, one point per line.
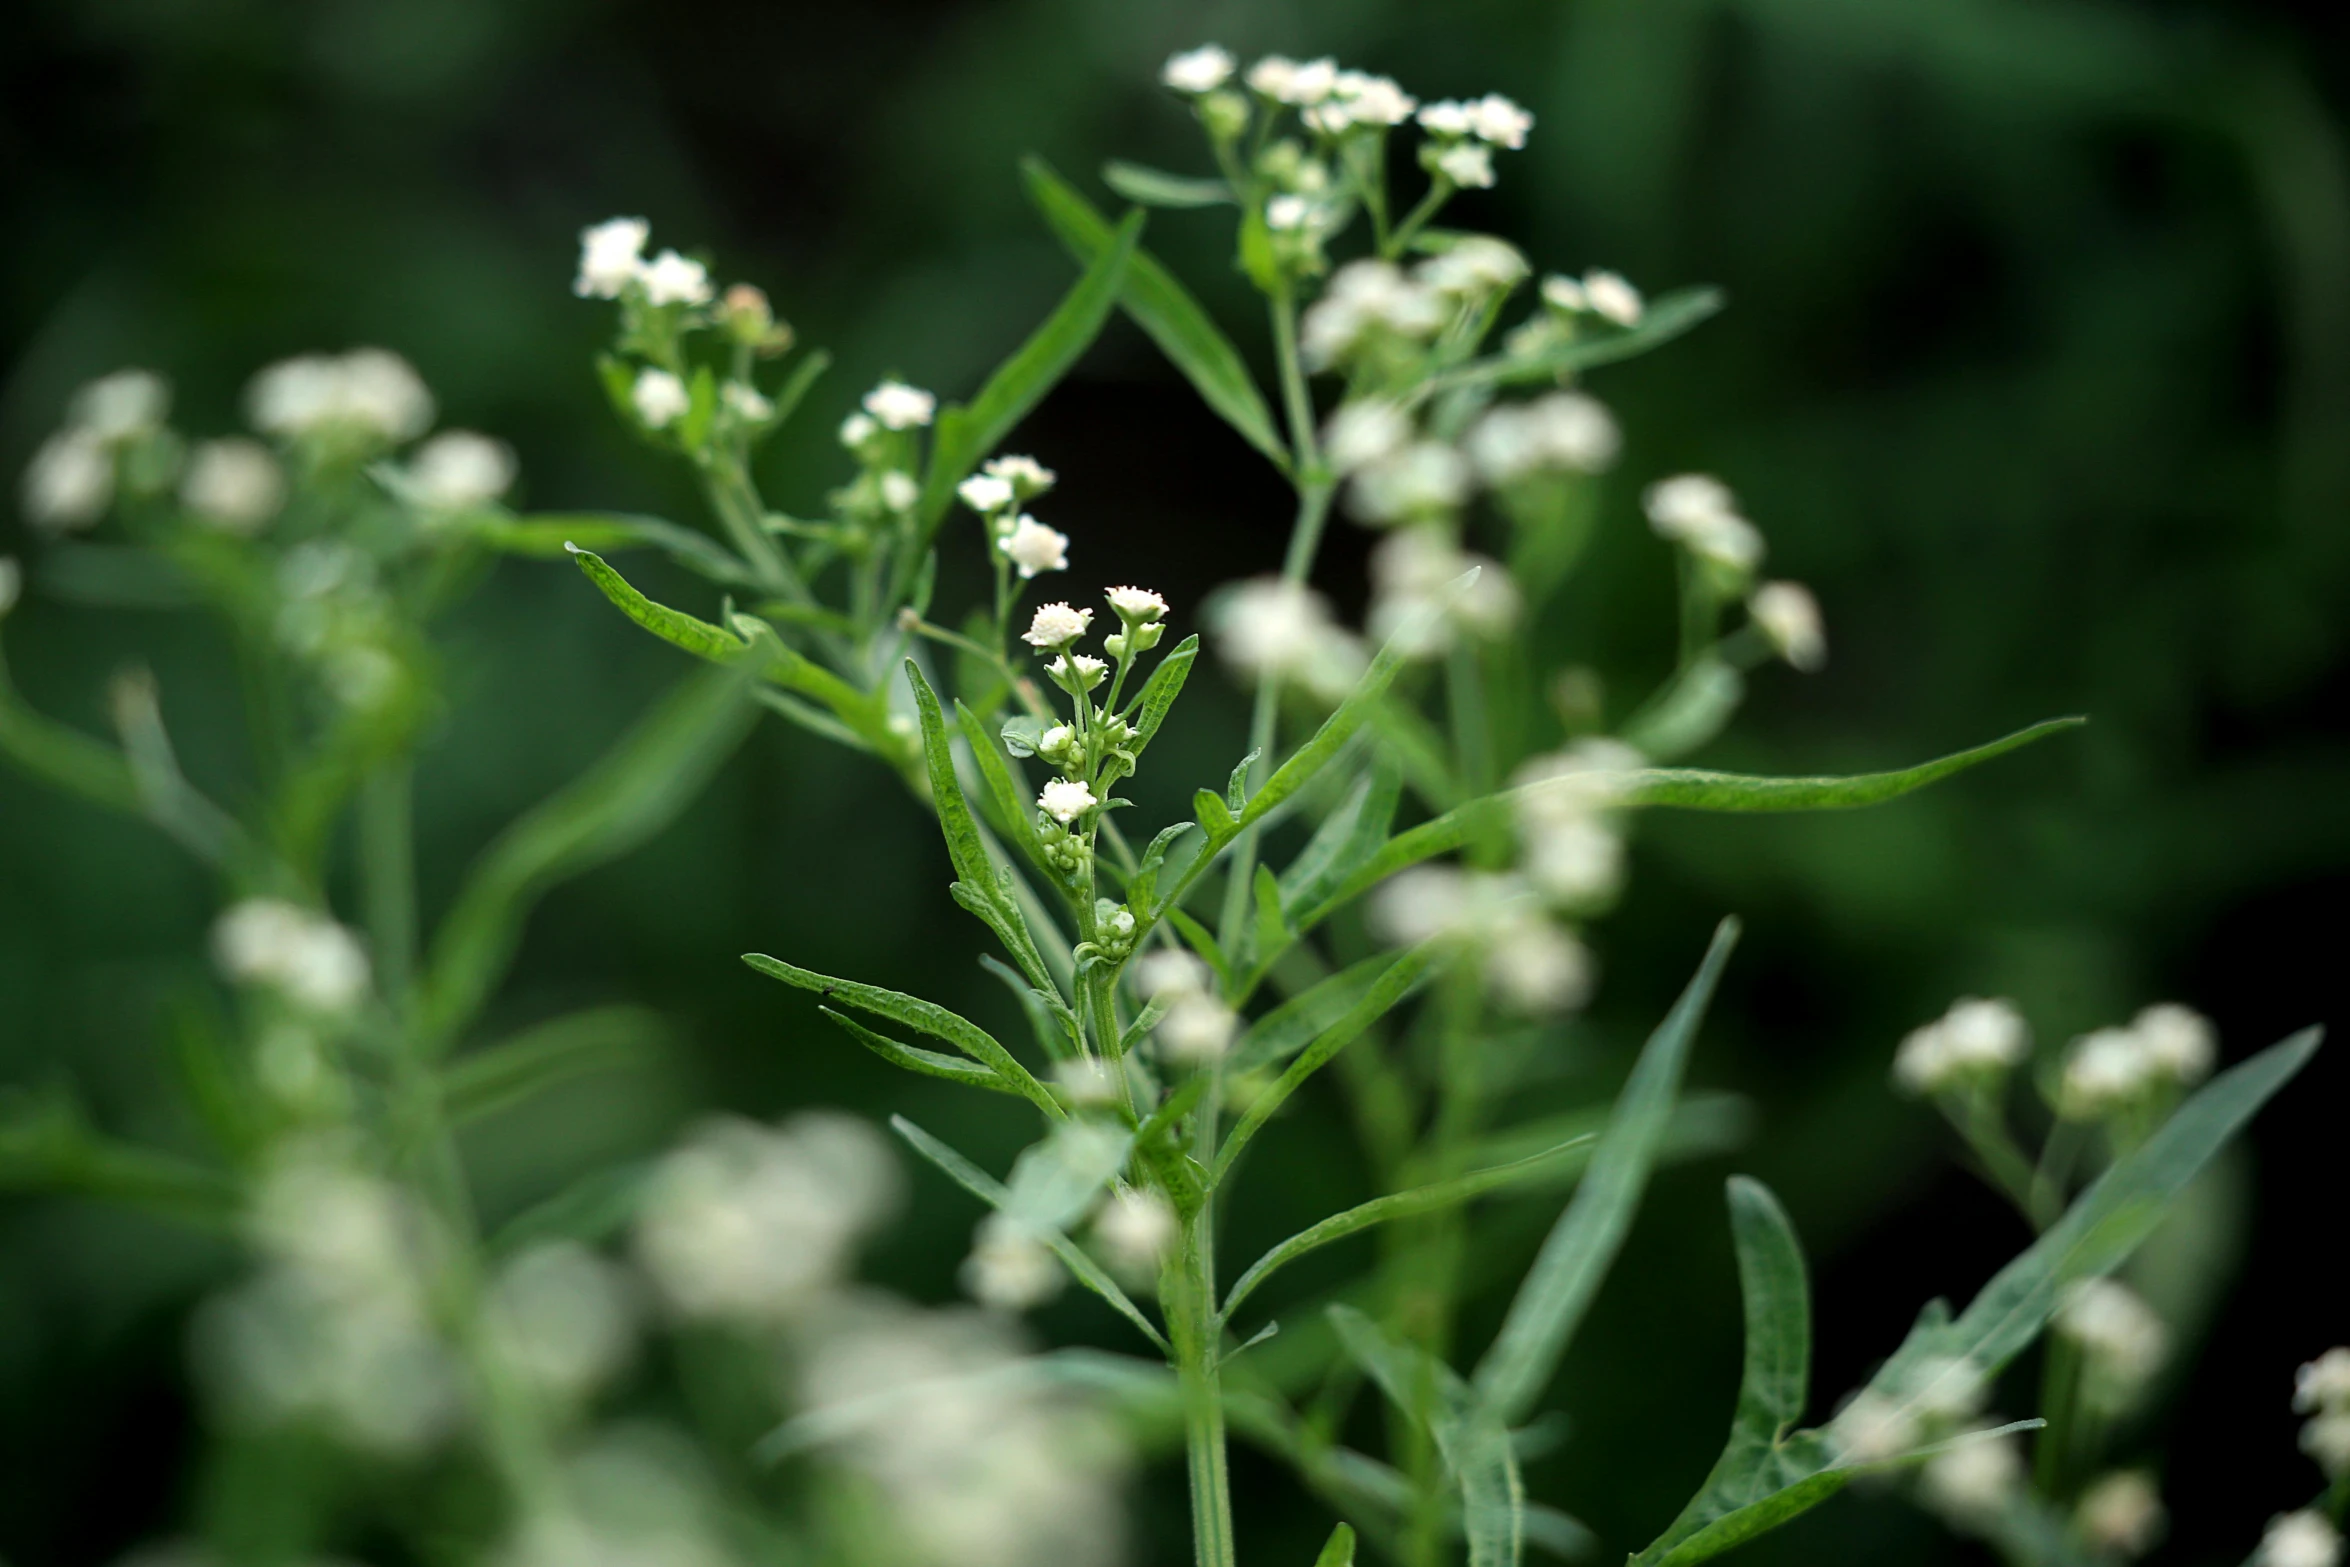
1392 882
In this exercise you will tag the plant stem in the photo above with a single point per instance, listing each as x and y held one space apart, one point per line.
1191 1322
387 868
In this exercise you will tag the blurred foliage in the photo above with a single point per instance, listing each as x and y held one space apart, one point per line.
2037 367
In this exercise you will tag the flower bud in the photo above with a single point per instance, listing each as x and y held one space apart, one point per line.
751 321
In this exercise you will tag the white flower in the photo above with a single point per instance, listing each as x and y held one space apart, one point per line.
1495 119
1415 598
1008 1268
753 1224
1137 604
370 390
661 398
899 492
1530 964
2122 1341
1166 973
1363 297
1272 628
1087 1080
985 493
1972 1483
1027 477
69 482
314 962
1609 296
1425 479
1467 164
1365 432
2121 1515
1557 432
562 1317
857 429
746 401
458 469
1564 293
1447 118
122 405
233 484
1685 499
1575 861
1975 1039
1288 81
11 583
1084 669
1197 70
1789 619
1065 799
1288 212
1374 100
2178 1041
1698 513
672 279
2104 1071
1135 1231
1943 1389
1056 625
2326 1440
1033 547
1197 1029
1473 267
2324 1383
610 254
1535 967
1871 1428
2302 1539
899 406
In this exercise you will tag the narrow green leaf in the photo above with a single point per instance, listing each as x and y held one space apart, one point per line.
1150 187
929 1063
1575 1258
545 535
1049 1017
925 1016
1340 1552
965 435
64 757
1291 1026
1666 318
977 889
990 1191
1471 1438
598 1039
1736 1528
1160 691
1401 1205
1348 836
1397 981
45 1146
1054 1182
593 1208
1013 803
1163 308
632 792
673 626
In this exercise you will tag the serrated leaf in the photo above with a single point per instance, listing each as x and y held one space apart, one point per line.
926 1017
597 1039
1165 310
964 435
992 1192
1567 1272
1151 187
913 1058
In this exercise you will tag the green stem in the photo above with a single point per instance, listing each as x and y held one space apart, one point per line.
387 871
1191 1320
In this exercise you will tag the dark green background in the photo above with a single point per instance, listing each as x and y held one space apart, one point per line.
2037 367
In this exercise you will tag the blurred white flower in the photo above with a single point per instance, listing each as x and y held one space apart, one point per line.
1496 119
899 492
1872 1427
1197 1030
563 1317
312 961
610 256
1367 299
2302 1539
1560 432
899 406
2179 1042
1164 973
1789 619
1365 432
1288 212
1698 513
1974 1040
235 484
1972 1484
1087 1080
672 279
2121 1340
1423 480
459 469
1033 547
1467 164
1197 70
1010 1269
2326 1439
985 493
1474 266
2323 1383
1135 1230
370 391
1530 964
124 404
2121 1514
1027 477
1374 100
746 402
661 398
1271 628
1420 602
69 482
1610 297
857 429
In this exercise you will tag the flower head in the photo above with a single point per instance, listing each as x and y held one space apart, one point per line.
1789 619
1010 1269
122 405
746 401
1698 513
234 484
1082 671
1033 547
1474 267
1137 604
69 482
457 469
1197 1029
371 390
1198 70
1027 477
610 254
857 429
1610 297
1166 973
1269 627
1135 1231
898 490
1972 1483
660 398
672 279
2323 1383
2121 1515
1467 164
2179 1042
2122 1341
1559 432
1427 479
1056 625
1497 120
985 493
1365 432
1066 799
311 960
1447 118
1974 1039
2302 1539
899 406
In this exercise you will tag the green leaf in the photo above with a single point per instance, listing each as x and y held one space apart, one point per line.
1049 1017
64 757
925 1016
1677 788
1396 982
988 1190
632 792
1666 318
1291 1026
1163 308
593 1208
1215 819
929 1063
1402 1205
1054 1182
1013 803
45 1146
1340 1552
1575 1258
978 888
1348 836
966 434
1150 187
1471 1438
599 1039
1160 691
546 536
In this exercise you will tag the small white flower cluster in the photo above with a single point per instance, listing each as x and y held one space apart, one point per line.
1197 1029
1415 600
459 470
369 394
1374 310
71 479
1572 851
1938 1396
2167 1047
2121 1515
1531 965
752 1225
1463 136
1559 432
1600 293
563 1318
1789 619
2299 1539
2321 1390
1008 1268
974 1465
312 961
1975 1042
997 492
1698 512
1971 1484
234 484
628 1501
612 261
2122 1342
337 1326
1269 628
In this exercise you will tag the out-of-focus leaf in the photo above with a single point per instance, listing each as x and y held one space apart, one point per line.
1163 308
599 1039
1340 1552
64 757
990 1191
926 1016
1291 1026
631 793
1347 838
1666 318
46 1146
1399 1205
966 434
1567 1272
1689 712
1151 187
545 535
1472 1439
593 1208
